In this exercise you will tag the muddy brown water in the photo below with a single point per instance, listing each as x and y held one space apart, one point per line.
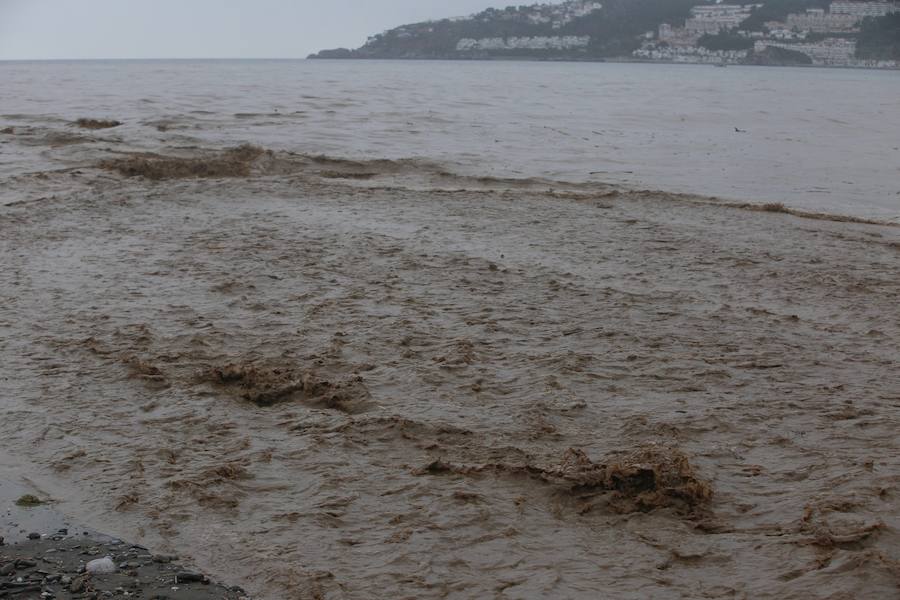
414 386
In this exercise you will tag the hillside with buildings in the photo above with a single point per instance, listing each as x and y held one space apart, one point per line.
818 32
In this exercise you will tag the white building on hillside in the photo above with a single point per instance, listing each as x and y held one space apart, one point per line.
568 42
830 51
717 17
816 19
864 9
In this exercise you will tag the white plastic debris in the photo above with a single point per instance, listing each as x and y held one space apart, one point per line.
101 566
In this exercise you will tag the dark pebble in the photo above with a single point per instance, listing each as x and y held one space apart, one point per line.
34 536
24 563
7 568
189 576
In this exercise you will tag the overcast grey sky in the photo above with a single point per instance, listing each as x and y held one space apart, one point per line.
39 29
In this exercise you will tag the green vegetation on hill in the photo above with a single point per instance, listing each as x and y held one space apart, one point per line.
779 57
614 30
879 39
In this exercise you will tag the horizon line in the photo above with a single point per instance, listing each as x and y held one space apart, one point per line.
157 58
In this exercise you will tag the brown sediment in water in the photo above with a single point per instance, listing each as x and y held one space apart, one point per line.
245 161
266 386
234 162
646 479
770 207
346 175
565 390
145 371
97 123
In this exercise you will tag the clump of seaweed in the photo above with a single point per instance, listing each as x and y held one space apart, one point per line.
267 386
97 123
29 501
233 162
8 131
646 479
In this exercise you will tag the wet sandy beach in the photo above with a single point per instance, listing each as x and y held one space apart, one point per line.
371 380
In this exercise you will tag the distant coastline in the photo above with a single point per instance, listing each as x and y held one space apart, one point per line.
820 33
614 60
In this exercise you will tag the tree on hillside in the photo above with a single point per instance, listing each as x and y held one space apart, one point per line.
879 39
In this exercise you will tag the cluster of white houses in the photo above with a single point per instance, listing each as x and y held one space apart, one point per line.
827 52
559 42
717 17
692 54
680 44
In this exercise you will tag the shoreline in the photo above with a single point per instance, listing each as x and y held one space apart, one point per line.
594 60
44 555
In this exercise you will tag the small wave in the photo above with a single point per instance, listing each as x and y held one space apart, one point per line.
411 174
260 115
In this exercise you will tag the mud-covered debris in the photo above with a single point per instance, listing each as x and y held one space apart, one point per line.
230 471
260 385
649 478
8 131
97 123
145 371
266 386
652 477
233 162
